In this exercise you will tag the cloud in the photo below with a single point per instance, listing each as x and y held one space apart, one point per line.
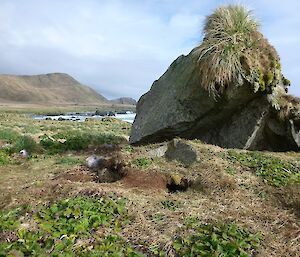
121 47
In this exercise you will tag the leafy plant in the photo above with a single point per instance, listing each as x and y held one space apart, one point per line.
142 162
4 158
274 171
215 240
172 205
157 217
9 220
79 226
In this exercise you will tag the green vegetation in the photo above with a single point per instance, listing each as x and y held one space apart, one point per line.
234 50
70 227
4 158
25 142
273 171
8 134
170 205
69 160
52 206
215 240
57 137
76 141
142 162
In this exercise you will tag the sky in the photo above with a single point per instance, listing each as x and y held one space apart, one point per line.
119 47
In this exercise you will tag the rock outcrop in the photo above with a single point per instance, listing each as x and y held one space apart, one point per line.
252 112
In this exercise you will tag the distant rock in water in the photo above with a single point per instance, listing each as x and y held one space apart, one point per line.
54 88
124 100
242 106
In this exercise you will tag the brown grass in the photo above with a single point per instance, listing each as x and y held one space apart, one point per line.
289 107
233 50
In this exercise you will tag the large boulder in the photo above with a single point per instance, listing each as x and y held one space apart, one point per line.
177 106
252 112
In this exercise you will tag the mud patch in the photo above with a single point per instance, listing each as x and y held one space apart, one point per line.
148 180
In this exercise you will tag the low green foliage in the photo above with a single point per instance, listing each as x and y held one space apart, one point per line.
129 148
69 160
231 170
9 135
172 205
142 162
4 158
76 141
157 217
228 240
79 226
9 220
274 171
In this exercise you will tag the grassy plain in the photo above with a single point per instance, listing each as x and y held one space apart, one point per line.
239 203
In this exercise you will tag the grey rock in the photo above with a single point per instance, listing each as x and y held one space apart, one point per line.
181 151
178 106
158 152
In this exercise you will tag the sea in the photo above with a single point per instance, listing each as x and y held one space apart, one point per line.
81 117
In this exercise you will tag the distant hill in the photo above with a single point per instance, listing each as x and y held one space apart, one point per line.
53 88
124 100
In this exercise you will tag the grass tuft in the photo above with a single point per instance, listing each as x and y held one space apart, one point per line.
233 50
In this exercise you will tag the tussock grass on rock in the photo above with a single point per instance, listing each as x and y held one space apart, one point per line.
233 51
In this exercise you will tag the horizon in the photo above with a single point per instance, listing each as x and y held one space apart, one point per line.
119 48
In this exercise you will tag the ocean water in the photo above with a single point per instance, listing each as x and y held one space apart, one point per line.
128 117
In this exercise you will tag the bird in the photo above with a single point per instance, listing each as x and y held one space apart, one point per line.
24 153
95 162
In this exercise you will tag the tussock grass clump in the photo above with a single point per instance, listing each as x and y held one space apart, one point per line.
26 142
233 50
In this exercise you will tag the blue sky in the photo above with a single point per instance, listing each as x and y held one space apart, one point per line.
119 47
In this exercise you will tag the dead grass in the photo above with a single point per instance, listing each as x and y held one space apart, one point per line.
289 107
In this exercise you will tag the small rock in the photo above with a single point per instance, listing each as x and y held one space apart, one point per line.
181 151
94 162
24 153
158 152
